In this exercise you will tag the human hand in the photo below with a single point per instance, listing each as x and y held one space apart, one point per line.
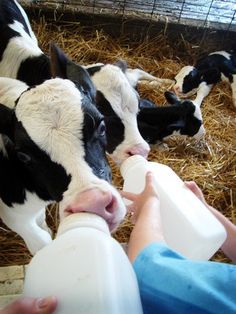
31 306
229 245
146 200
197 191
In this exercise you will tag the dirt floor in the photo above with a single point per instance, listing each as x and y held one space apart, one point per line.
211 163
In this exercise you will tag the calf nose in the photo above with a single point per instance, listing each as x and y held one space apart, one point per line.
177 89
99 202
139 149
94 201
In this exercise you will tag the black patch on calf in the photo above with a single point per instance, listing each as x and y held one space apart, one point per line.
82 80
63 67
94 139
191 81
95 69
159 122
144 103
47 179
34 70
114 126
6 118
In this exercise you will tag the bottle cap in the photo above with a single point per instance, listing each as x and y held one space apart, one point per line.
78 220
129 162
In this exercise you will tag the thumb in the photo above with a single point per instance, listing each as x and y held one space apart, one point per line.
31 306
46 305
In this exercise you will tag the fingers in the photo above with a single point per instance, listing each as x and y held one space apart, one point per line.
130 196
149 178
195 189
31 306
131 208
46 305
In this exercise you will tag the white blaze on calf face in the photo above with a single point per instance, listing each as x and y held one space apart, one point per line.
52 116
124 101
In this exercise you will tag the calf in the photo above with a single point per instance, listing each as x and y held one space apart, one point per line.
52 148
118 101
21 58
180 117
217 66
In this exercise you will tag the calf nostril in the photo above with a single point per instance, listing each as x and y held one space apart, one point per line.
110 208
129 153
138 150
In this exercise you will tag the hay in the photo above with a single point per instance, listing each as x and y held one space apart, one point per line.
212 163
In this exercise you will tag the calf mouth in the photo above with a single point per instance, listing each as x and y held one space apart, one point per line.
108 213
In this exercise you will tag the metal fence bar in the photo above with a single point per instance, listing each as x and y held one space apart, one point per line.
204 24
153 9
231 22
181 10
205 13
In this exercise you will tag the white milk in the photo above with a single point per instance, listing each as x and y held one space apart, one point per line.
188 226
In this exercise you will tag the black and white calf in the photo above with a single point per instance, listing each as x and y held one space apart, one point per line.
217 66
21 58
180 117
52 148
118 101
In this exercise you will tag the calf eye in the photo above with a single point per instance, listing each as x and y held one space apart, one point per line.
25 158
102 129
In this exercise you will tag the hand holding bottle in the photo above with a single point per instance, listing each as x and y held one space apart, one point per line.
147 200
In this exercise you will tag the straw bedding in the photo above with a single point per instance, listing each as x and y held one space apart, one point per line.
211 163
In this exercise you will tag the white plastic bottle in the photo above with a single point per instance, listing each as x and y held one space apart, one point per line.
188 226
86 269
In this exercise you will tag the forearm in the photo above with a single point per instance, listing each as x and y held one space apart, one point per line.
147 229
229 246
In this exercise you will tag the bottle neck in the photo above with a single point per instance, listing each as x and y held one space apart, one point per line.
86 220
130 162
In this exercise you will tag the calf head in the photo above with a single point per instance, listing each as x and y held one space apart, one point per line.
118 101
189 79
57 138
190 122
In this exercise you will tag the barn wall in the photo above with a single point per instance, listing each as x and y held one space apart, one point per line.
202 38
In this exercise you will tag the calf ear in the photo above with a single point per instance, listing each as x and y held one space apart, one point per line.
6 119
63 67
81 78
122 64
58 62
171 98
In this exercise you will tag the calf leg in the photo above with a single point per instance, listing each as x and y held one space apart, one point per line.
202 92
25 224
136 75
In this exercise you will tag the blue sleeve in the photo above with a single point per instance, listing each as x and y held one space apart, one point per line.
169 283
